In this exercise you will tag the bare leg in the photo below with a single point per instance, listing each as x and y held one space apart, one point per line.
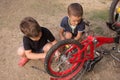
68 35
21 52
24 59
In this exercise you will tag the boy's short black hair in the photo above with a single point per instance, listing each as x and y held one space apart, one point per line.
30 27
75 9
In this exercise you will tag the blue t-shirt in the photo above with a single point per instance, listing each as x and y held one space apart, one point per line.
65 25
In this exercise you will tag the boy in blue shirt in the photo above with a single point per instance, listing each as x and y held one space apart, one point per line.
72 26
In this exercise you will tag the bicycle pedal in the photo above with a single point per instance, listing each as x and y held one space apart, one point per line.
97 53
105 52
92 63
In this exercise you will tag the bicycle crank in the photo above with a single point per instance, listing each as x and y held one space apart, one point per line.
91 63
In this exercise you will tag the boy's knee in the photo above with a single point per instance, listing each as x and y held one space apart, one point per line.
47 47
20 51
68 35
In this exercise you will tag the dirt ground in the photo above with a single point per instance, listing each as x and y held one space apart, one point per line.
49 14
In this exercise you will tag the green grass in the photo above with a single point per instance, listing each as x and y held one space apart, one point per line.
101 15
99 30
99 18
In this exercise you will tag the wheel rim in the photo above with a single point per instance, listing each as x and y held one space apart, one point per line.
65 62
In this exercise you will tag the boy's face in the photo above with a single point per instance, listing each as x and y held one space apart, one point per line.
74 20
36 38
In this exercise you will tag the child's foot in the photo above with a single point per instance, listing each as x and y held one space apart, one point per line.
23 61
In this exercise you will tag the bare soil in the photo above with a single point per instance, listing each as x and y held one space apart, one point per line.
49 14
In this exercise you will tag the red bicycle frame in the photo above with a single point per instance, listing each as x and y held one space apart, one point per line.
94 42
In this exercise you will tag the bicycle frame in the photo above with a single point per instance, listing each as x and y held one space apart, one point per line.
94 42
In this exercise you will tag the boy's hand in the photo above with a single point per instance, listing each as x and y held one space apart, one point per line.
62 38
31 55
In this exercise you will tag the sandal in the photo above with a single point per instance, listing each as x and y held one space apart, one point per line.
23 61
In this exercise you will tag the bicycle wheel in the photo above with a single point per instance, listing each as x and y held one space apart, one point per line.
113 15
62 59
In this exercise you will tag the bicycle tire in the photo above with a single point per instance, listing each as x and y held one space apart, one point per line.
78 67
112 11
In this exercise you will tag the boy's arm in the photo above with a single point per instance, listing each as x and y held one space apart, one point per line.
78 36
31 55
80 31
61 32
54 42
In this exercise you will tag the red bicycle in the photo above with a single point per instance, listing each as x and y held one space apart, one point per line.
69 57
